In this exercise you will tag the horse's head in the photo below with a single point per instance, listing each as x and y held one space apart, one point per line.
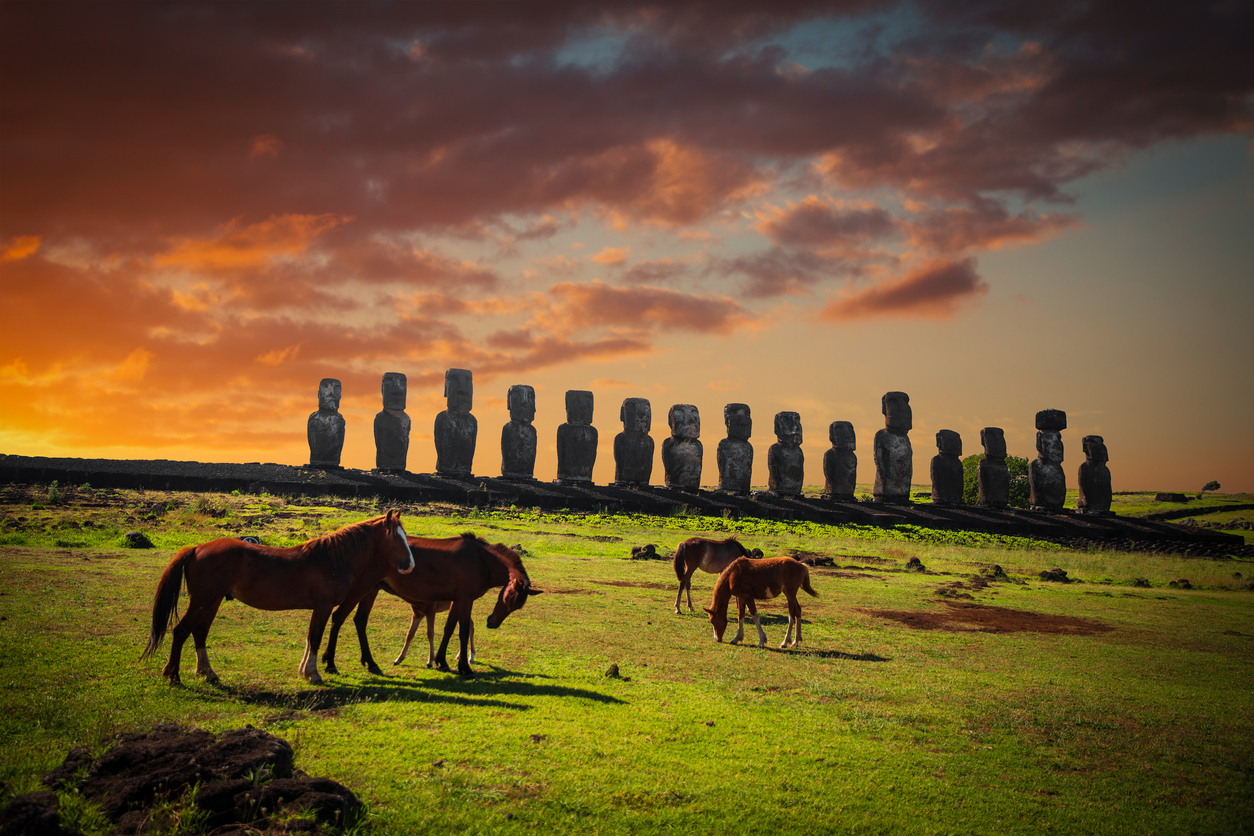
398 542
514 594
718 617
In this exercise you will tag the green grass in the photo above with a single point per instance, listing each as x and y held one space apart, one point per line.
1144 727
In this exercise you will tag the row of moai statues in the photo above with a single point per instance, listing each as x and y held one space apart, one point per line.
456 431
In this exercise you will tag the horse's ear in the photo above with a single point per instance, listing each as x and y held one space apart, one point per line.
708 610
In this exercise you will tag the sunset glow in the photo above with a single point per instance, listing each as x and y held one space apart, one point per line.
206 208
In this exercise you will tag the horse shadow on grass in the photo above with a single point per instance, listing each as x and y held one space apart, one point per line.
499 681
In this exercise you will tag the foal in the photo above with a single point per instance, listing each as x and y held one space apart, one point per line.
427 610
750 580
711 556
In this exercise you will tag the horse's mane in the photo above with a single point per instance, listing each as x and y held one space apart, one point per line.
509 557
337 549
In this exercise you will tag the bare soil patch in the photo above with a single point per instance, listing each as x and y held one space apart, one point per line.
961 616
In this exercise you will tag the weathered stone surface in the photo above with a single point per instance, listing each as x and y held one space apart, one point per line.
325 427
840 462
518 437
1047 482
993 475
785 462
577 440
894 457
946 469
1094 481
633 447
456 430
682 452
735 454
391 427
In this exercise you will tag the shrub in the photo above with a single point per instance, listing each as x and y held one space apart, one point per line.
1018 467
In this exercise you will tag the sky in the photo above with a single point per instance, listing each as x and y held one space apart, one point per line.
997 208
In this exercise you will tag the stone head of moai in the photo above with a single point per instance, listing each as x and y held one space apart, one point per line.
897 415
521 400
1095 448
1049 447
579 407
459 388
949 443
994 442
842 436
685 421
788 428
739 421
329 395
636 415
393 390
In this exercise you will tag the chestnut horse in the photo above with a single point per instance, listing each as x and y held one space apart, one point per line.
318 575
760 580
427 610
711 556
457 569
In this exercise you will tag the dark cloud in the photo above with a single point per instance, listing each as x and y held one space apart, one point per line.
815 223
933 291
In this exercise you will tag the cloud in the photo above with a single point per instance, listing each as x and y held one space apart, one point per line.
815 222
578 306
23 246
659 271
932 291
986 226
778 271
612 256
251 245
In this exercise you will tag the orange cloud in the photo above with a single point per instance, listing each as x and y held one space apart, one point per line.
23 246
612 256
932 291
252 245
265 145
579 306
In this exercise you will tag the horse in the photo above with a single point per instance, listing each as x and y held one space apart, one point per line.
457 569
319 575
427 610
711 556
760 580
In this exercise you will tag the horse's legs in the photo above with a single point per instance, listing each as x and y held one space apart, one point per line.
463 658
309 662
740 632
472 640
794 616
753 608
414 620
198 613
200 633
441 656
359 622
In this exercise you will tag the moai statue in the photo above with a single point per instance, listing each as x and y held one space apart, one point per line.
391 427
785 463
326 427
682 452
994 476
518 437
1095 493
633 447
840 463
577 440
946 470
735 453
1047 482
456 430
894 457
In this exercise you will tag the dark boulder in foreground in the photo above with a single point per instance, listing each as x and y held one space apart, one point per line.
242 776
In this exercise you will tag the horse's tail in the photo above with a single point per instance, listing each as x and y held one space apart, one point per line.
165 602
680 560
805 583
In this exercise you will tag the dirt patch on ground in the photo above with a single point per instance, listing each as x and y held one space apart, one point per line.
837 573
635 584
960 616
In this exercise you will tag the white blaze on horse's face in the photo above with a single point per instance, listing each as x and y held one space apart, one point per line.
400 532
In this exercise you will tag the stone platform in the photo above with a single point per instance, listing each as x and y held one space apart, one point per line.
416 488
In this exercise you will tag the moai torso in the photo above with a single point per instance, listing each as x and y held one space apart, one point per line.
993 475
894 457
633 447
735 453
325 427
391 427
840 462
456 430
785 463
1094 481
1046 480
682 451
577 440
946 469
518 437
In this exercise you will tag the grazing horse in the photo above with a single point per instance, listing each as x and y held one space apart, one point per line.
457 569
711 556
760 580
318 575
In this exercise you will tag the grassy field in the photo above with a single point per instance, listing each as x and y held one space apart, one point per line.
928 702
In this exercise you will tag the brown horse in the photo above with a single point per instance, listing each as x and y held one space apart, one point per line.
457 569
760 580
427 610
711 556
317 575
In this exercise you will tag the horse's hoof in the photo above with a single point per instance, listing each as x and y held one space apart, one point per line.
211 678
315 679
175 682
374 669
332 669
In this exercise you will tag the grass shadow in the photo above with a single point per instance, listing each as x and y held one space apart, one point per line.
504 682
340 696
